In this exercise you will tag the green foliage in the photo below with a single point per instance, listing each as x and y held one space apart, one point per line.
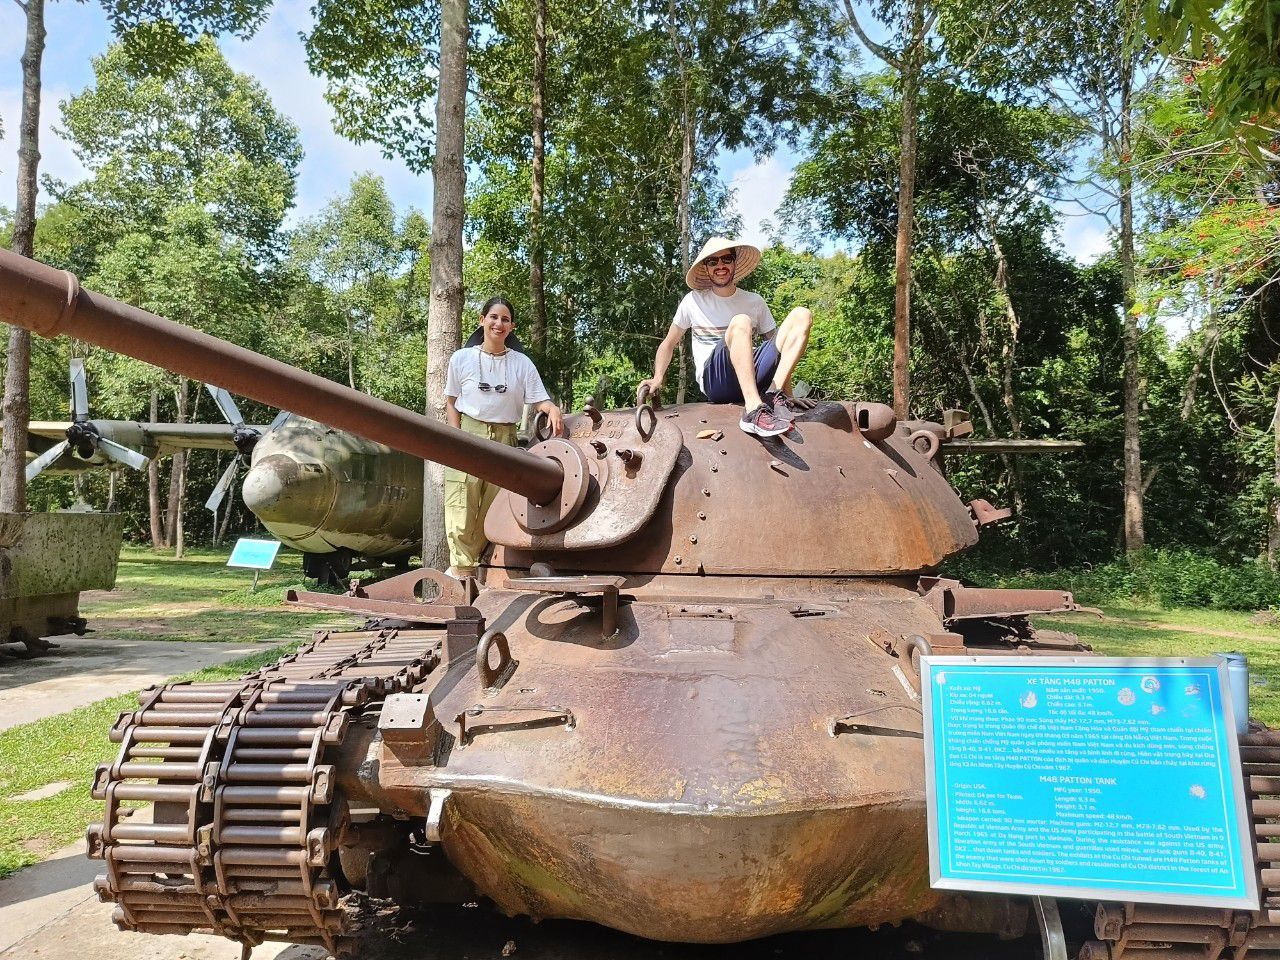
379 64
358 298
1242 39
203 136
1169 578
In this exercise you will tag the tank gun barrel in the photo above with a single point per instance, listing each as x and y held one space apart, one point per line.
50 302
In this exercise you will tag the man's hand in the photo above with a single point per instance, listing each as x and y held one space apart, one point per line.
654 384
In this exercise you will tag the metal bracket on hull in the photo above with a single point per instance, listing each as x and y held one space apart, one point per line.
607 587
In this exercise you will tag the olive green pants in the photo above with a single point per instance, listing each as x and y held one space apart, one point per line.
467 499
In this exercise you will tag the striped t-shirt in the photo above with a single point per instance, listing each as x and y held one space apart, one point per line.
708 315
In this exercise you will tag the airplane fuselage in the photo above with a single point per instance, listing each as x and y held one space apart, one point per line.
321 490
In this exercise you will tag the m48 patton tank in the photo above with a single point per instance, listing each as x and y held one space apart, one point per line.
685 703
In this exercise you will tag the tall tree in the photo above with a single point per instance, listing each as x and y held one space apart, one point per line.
381 74
191 174
537 253
444 318
356 299
1102 61
158 30
908 61
17 378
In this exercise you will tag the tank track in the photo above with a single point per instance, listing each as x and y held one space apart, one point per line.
1150 932
246 817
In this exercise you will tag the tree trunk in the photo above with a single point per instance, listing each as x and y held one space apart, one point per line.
1134 532
153 484
227 503
912 64
1009 364
1273 534
177 475
444 317
688 140
17 378
111 491
537 292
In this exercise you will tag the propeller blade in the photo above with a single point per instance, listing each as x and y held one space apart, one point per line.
223 485
122 454
226 403
35 467
281 417
79 391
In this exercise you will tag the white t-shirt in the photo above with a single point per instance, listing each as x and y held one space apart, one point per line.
708 315
471 366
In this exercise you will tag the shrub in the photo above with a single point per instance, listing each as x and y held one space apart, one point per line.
1168 578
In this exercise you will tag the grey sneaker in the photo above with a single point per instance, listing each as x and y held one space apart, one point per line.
762 423
780 404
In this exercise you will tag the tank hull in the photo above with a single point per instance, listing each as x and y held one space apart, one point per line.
692 876
703 789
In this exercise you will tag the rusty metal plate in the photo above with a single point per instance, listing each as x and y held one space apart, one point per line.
822 501
619 501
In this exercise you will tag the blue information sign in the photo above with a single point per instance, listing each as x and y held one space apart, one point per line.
1086 777
254 554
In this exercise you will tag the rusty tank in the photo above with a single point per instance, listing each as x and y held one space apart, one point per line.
684 704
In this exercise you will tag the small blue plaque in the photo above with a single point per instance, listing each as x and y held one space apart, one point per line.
254 554
1086 777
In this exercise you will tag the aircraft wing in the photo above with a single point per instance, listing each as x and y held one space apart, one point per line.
49 429
1011 446
194 436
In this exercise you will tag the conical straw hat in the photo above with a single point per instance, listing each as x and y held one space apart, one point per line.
748 259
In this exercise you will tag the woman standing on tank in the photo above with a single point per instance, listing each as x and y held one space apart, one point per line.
490 380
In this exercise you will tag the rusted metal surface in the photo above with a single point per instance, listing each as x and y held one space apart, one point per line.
52 302
245 813
426 596
951 600
728 746
725 511
696 766
618 499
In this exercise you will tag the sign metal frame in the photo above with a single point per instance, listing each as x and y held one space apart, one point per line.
1244 820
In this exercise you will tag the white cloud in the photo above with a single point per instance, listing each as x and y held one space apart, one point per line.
758 191
1085 238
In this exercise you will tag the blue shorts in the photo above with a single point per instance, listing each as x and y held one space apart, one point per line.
720 382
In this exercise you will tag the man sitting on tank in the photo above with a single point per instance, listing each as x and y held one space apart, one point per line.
725 321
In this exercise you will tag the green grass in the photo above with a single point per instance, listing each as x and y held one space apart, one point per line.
198 598
69 747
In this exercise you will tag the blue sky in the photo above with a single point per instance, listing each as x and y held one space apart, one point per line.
78 31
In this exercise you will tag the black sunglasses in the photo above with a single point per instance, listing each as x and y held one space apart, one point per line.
485 388
716 261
